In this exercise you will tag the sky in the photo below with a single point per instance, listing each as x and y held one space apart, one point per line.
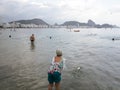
59 11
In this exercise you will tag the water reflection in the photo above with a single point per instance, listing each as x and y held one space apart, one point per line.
32 46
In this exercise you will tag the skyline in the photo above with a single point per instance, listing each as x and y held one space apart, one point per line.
59 11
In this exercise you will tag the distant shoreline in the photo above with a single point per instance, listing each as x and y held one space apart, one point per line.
55 28
39 23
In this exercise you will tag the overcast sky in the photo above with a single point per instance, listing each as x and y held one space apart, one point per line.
51 11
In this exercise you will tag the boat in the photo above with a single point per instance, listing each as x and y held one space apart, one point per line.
76 30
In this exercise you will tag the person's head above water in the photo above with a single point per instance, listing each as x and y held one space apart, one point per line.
59 53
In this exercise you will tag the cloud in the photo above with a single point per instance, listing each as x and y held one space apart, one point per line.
115 9
61 10
40 5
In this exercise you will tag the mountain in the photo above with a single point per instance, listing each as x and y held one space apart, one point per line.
73 23
90 23
106 25
32 21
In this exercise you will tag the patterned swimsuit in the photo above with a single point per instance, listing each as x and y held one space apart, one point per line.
54 72
55 66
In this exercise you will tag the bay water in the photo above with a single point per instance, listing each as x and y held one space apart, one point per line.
92 58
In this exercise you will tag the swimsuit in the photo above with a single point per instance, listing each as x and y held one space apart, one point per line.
54 72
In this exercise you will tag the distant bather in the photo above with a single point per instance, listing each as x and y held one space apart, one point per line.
113 39
9 36
32 38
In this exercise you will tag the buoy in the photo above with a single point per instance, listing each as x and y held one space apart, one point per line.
78 68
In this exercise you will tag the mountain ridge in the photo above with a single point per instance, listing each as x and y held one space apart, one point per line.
31 21
90 23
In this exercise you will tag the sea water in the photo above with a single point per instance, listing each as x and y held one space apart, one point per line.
24 65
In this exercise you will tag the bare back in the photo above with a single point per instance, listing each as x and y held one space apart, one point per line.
57 59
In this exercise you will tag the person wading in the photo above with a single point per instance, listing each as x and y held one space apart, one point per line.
55 70
32 38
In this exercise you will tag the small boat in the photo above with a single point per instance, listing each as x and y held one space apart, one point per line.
76 30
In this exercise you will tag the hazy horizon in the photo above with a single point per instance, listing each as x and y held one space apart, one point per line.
59 11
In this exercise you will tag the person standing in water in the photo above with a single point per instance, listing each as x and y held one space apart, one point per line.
9 36
32 38
55 70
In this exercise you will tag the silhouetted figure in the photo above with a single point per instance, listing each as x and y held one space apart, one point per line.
32 38
9 36
50 37
113 39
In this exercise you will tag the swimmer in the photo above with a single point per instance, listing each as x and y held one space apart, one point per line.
9 36
113 39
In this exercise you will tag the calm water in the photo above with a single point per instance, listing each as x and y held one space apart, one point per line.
23 66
